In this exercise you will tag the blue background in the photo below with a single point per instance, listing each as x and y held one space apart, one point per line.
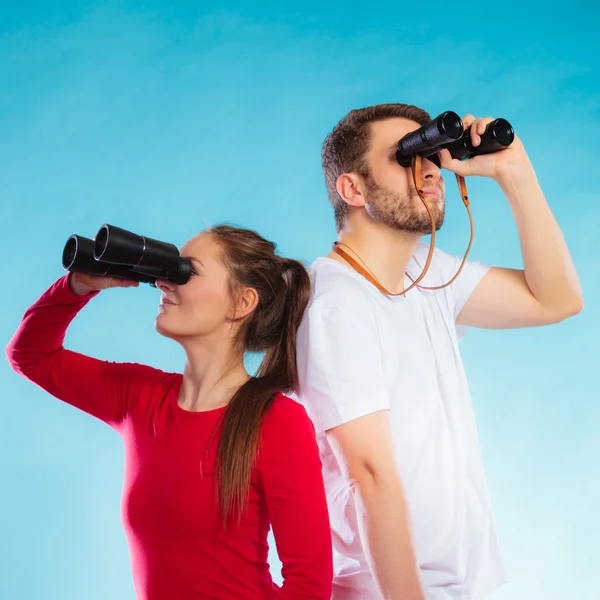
166 119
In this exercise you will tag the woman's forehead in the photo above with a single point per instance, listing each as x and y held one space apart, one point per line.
202 247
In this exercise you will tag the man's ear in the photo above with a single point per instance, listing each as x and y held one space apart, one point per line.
246 301
350 186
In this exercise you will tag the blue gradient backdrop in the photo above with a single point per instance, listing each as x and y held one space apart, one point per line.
167 118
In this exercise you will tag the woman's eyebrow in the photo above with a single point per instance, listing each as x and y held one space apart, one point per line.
197 260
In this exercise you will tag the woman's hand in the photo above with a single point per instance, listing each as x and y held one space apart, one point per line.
83 284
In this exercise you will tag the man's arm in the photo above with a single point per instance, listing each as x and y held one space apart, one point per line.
548 289
364 450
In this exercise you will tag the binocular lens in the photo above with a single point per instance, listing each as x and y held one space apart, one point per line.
503 132
450 125
100 243
69 252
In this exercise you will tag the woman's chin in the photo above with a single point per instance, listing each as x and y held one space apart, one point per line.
162 328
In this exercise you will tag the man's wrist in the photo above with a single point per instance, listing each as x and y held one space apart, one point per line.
516 180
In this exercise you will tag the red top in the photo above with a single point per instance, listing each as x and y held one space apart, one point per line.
169 510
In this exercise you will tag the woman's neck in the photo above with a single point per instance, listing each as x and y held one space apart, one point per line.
211 377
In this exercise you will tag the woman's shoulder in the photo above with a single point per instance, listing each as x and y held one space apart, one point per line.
144 382
285 407
143 372
287 416
287 436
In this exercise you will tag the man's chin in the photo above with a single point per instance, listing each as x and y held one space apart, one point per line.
424 226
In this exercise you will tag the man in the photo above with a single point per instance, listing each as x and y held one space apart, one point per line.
381 374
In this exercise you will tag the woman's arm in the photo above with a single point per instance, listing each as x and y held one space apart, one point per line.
290 470
100 388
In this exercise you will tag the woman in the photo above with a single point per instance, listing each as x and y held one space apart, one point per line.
213 457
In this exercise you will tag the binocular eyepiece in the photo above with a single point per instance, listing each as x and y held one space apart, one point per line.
446 132
120 253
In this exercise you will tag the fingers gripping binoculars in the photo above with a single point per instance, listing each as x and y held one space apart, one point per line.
446 131
116 252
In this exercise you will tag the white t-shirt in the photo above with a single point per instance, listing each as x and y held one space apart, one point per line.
361 351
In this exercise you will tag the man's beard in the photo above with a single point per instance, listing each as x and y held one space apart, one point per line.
398 212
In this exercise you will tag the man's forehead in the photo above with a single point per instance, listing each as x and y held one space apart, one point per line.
389 131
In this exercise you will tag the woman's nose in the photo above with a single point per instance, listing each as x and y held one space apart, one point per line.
165 286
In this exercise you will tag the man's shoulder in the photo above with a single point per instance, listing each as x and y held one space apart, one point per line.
336 286
443 265
439 260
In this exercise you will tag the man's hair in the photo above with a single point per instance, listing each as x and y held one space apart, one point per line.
345 148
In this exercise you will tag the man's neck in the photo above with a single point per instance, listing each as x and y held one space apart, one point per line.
384 251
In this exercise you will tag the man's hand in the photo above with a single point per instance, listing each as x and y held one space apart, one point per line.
510 162
548 289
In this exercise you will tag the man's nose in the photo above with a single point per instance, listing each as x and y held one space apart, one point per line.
430 170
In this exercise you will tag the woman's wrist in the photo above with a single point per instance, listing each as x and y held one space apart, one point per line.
78 287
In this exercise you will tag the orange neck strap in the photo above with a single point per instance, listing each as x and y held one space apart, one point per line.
370 276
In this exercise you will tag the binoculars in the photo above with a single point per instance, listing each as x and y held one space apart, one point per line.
446 131
116 252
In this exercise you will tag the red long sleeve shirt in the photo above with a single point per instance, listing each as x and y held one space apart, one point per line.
178 548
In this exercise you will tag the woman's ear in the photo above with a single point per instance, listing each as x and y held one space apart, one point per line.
246 301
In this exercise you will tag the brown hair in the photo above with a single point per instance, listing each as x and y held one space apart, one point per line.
283 288
345 148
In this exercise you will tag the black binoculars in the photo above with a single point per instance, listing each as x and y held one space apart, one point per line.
116 252
446 131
